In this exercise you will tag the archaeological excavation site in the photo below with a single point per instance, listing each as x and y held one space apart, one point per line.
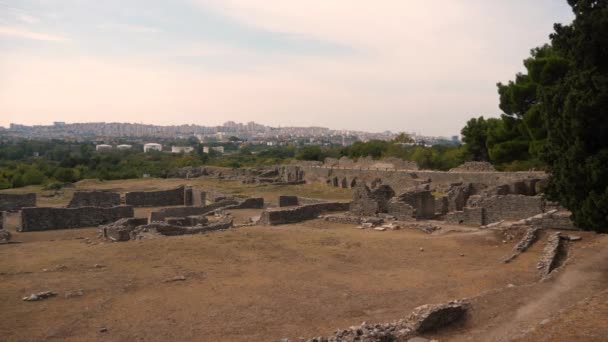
341 250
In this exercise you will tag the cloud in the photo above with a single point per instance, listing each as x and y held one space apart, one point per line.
129 28
17 32
28 19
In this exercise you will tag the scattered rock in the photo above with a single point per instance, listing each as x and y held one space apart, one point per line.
5 235
573 238
103 329
381 229
99 266
39 296
73 294
424 318
177 278
421 249
427 318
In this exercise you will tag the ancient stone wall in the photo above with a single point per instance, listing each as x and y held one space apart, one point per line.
421 200
299 214
160 215
156 198
36 219
248 203
474 166
401 180
400 210
13 202
94 199
2 219
288 201
199 197
467 217
510 207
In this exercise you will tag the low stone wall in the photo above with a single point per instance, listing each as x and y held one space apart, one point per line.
156 198
2 219
299 214
401 180
119 230
248 203
467 217
13 202
288 201
510 207
37 219
160 215
94 199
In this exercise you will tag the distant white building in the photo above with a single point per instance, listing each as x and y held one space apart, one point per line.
103 148
181 149
219 149
123 147
152 147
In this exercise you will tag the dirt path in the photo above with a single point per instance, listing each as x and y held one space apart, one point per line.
514 313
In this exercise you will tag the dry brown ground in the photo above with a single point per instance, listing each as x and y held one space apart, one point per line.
264 283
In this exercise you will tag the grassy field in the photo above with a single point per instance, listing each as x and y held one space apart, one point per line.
269 192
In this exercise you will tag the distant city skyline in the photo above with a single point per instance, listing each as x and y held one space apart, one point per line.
388 65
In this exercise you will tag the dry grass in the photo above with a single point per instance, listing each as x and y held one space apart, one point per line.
248 284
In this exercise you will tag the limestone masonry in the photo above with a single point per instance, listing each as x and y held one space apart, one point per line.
156 198
12 202
94 199
36 219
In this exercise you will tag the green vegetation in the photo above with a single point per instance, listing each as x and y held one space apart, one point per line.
556 116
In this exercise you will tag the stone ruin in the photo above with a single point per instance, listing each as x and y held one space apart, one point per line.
140 228
367 202
104 199
424 319
370 163
37 219
474 166
159 198
277 216
183 220
288 201
5 235
413 204
15 202
276 175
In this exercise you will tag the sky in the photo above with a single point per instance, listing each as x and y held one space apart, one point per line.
399 65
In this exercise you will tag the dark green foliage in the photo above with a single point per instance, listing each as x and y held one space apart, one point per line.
576 112
475 137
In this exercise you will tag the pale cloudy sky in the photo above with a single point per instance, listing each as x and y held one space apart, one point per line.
400 65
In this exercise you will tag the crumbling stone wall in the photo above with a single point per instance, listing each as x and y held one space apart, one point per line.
299 214
94 199
13 202
248 203
160 215
458 194
2 219
401 180
422 201
510 207
288 201
368 202
36 219
119 230
467 217
199 197
401 210
474 166
156 198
